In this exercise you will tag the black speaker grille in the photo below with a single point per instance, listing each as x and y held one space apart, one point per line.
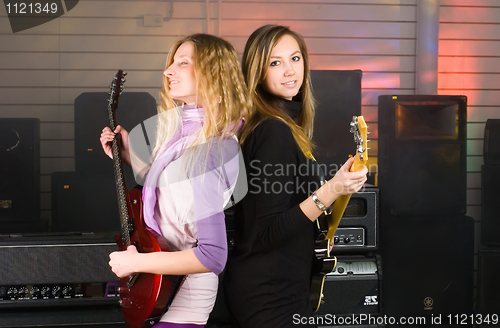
492 142
490 194
91 116
489 284
356 207
338 94
422 172
428 265
19 171
55 263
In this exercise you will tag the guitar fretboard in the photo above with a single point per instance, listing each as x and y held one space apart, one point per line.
121 188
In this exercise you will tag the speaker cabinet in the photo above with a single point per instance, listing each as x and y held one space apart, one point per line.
91 116
84 202
353 288
50 280
56 258
422 156
491 146
428 266
19 173
490 194
338 97
488 283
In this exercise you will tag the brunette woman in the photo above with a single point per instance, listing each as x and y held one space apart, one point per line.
267 278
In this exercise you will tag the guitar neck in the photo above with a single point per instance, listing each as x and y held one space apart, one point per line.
359 163
121 187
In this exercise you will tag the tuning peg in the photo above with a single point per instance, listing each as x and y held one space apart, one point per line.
368 140
125 73
368 132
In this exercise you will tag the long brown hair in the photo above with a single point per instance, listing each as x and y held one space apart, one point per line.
255 62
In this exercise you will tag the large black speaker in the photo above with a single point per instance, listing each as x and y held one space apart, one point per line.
84 202
491 146
488 282
50 280
19 173
490 194
422 155
428 266
338 97
91 116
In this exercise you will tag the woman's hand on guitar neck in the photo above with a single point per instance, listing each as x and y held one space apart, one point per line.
107 137
345 182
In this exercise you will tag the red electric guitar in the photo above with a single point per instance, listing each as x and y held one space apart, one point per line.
144 297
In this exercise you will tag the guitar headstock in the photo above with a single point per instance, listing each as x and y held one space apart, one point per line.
116 89
360 132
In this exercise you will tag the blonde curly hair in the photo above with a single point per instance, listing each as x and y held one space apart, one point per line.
220 90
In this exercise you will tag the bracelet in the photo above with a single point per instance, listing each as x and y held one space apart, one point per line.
318 203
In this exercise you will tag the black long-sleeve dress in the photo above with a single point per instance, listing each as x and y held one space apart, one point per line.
267 279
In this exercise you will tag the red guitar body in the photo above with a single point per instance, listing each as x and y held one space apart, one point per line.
144 297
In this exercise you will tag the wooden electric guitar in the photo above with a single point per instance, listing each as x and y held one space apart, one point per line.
327 263
144 297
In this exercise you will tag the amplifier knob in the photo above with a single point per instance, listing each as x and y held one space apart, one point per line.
45 291
35 292
347 240
67 291
335 240
56 291
12 293
22 292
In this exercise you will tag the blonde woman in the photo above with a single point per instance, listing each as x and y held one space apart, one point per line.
267 277
193 164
